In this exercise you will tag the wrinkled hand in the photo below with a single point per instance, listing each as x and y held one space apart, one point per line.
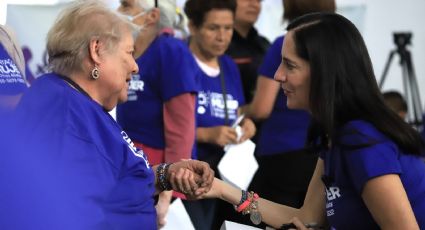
191 177
214 192
248 129
223 135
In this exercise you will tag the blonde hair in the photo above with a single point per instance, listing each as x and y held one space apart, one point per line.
68 40
11 45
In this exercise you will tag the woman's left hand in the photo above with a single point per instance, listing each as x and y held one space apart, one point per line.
191 177
248 129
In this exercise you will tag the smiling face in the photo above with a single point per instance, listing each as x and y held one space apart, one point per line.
294 75
116 67
212 38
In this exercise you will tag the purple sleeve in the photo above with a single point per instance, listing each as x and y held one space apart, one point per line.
272 59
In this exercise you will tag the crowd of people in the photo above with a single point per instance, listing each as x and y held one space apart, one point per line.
333 152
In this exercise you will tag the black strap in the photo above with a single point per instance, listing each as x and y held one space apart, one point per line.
224 92
75 85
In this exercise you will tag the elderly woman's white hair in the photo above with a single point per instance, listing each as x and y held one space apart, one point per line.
171 16
68 40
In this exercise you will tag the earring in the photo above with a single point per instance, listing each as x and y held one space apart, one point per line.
95 72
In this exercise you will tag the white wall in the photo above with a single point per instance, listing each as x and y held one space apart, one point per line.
383 17
377 20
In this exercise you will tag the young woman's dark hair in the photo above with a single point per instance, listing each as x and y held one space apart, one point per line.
295 8
343 86
197 9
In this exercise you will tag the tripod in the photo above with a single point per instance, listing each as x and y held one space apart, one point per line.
410 84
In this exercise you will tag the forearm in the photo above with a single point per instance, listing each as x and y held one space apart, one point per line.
179 127
203 135
272 213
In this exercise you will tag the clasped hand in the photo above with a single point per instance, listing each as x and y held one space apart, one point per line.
191 177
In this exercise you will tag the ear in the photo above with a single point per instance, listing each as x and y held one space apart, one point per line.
153 17
94 50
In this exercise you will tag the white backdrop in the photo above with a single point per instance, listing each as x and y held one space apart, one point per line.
376 19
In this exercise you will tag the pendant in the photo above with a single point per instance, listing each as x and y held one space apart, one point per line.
255 217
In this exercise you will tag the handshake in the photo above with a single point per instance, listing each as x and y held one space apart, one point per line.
191 177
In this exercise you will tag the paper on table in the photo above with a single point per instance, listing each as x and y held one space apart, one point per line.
177 217
238 165
229 225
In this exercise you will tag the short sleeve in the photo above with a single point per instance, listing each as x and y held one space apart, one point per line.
272 59
369 154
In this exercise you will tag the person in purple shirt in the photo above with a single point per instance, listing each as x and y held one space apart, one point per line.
281 143
12 71
160 112
220 95
66 163
370 174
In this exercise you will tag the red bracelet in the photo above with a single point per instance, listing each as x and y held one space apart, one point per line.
244 205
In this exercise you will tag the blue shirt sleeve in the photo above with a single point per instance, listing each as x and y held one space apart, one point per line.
178 70
380 157
272 59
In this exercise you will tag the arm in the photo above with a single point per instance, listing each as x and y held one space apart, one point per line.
264 98
276 214
387 201
179 127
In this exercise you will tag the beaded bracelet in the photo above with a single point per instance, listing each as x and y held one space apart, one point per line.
161 173
250 206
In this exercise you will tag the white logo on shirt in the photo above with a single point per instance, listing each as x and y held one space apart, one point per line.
216 103
136 152
332 193
9 73
135 85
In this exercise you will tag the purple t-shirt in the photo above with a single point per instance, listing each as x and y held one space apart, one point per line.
11 80
210 110
362 153
77 169
166 69
285 129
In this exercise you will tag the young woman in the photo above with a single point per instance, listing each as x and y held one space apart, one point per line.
369 174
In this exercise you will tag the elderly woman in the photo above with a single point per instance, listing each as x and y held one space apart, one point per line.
12 71
369 174
78 169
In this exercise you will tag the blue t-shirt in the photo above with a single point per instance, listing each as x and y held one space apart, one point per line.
11 80
71 166
285 129
166 69
210 110
362 153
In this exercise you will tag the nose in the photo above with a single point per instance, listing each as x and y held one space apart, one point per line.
135 67
280 75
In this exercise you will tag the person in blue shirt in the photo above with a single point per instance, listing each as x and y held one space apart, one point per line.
160 112
12 71
66 163
370 174
220 95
